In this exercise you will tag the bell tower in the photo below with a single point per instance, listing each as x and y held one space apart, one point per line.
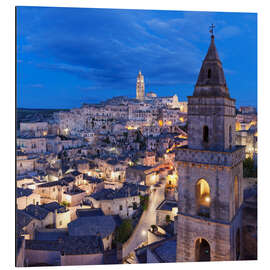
210 171
211 110
140 87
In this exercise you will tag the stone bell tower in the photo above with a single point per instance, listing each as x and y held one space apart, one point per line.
210 171
140 87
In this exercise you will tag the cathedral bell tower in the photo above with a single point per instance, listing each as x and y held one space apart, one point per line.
210 171
140 87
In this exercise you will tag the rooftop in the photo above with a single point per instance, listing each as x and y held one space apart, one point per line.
36 211
166 250
91 179
140 167
127 190
22 220
69 245
92 225
167 205
51 207
21 192
89 212
50 234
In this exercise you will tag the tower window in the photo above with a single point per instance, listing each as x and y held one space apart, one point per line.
230 136
205 134
209 73
236 194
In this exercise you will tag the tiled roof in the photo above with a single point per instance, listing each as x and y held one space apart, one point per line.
21 192
52 206
104 225
91 179
167 205
166 251
36 211
22 220
89 212
49 184
50 234
127 190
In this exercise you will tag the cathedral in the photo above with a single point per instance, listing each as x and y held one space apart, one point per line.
210 171
140 87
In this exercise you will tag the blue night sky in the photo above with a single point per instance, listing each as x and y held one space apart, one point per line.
70 56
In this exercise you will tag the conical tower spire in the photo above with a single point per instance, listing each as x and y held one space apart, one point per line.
211 80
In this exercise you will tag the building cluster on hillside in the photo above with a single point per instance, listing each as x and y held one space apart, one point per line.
82 173
246 130
96 163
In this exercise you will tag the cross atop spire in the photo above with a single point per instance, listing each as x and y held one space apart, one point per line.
211 27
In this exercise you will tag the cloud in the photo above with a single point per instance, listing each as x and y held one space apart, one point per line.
108 47
228 32
37 85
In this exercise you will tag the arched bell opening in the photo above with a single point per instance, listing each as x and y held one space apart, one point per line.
203 198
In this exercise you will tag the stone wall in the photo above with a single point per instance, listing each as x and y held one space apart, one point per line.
216 113
190 229
220 180
230 158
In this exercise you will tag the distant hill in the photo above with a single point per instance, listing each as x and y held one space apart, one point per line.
28 115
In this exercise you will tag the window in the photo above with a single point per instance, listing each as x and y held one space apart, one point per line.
203 198
205 134
209 73
60 223
120 207
230 136
236 193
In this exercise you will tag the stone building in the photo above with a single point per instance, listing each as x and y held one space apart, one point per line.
29 144
36 129
167 210
210 172
143 175
25 163
25 197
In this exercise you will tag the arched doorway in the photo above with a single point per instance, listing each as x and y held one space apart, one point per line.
236 193
202 250
203 198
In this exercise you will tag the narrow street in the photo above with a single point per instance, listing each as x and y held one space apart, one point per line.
148 218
